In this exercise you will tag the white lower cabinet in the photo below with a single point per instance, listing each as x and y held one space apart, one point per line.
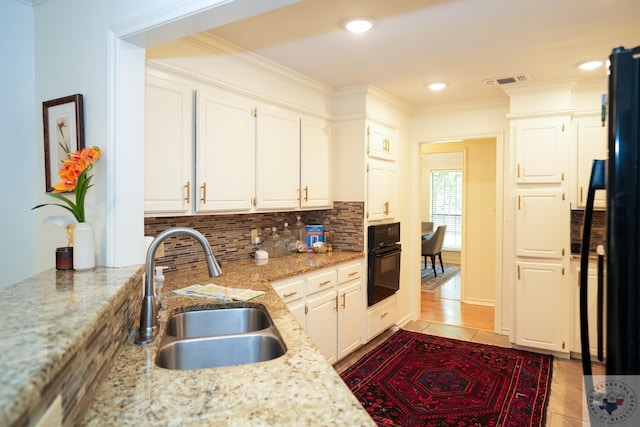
540 285
592 304
329 304
381 316
322 323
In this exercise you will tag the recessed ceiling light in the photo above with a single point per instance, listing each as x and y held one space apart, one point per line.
590 65
359 25
437 86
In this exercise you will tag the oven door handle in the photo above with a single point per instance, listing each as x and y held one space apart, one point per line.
387 253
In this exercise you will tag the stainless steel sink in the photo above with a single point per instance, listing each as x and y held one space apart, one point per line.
218 337
223 321
227 350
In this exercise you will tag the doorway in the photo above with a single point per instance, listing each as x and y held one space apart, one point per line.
468 298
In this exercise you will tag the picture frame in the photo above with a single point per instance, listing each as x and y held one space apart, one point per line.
63 124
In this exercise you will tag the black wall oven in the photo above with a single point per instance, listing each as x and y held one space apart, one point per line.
383 278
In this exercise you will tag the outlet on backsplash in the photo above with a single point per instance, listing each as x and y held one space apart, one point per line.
254 236
160 251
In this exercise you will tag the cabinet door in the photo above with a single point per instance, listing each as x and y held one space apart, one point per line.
322 323
315 163
539 223
278 159
382 187
539 150
592 309
225 151
381 142
350 317
381 316
168 147
592 144
297 309
541 308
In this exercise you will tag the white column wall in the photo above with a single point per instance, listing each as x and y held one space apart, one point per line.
17 115
62 47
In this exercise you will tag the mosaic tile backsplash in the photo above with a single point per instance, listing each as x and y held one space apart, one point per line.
230 235
598 230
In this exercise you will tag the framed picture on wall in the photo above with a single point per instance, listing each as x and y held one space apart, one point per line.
63 121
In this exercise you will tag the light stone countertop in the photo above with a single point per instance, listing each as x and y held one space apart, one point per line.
298 389
43 320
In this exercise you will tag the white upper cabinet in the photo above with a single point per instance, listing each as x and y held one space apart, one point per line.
381 142
168 147
591 145
382 190
225 152
278 158
540 150
315 163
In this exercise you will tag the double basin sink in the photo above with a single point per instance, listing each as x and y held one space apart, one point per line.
224 336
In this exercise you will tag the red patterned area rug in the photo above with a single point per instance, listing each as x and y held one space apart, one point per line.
414 379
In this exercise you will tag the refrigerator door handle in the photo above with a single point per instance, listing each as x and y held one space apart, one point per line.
597 182
600 303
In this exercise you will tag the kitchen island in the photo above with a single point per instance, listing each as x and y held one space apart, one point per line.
298 388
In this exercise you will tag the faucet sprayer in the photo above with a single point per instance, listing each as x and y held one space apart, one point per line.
148 314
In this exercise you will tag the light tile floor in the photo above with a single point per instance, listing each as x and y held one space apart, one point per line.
565 397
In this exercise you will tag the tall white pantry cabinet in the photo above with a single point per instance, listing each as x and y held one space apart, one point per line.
541 308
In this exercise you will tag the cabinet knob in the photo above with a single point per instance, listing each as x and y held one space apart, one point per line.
187 187
289 294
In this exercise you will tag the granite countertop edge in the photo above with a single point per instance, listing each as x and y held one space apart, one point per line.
298 388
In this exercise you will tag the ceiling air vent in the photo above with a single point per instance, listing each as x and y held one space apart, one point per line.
520 78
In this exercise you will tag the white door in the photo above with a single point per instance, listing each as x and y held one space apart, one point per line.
541 308
382 187
539 223
539 150
278 159
322 323
225 151
592 309
315 163
592 144
168 147
350 317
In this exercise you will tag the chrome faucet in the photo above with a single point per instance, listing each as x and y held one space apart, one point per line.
149 312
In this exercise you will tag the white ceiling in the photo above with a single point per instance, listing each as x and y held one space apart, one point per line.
461 42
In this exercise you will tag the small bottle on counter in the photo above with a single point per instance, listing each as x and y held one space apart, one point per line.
299 230
158 280
288 239
273 244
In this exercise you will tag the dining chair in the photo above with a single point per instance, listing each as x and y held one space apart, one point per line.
432 248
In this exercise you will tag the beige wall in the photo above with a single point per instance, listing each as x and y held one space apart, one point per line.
478 258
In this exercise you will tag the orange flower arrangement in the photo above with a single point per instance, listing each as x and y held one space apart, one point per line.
74 179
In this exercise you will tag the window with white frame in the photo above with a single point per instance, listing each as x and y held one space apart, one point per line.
446 205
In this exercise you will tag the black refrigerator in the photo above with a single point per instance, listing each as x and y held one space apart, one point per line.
619 175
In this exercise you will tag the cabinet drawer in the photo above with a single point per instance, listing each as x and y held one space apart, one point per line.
381 316
321 280
290 290
349 272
